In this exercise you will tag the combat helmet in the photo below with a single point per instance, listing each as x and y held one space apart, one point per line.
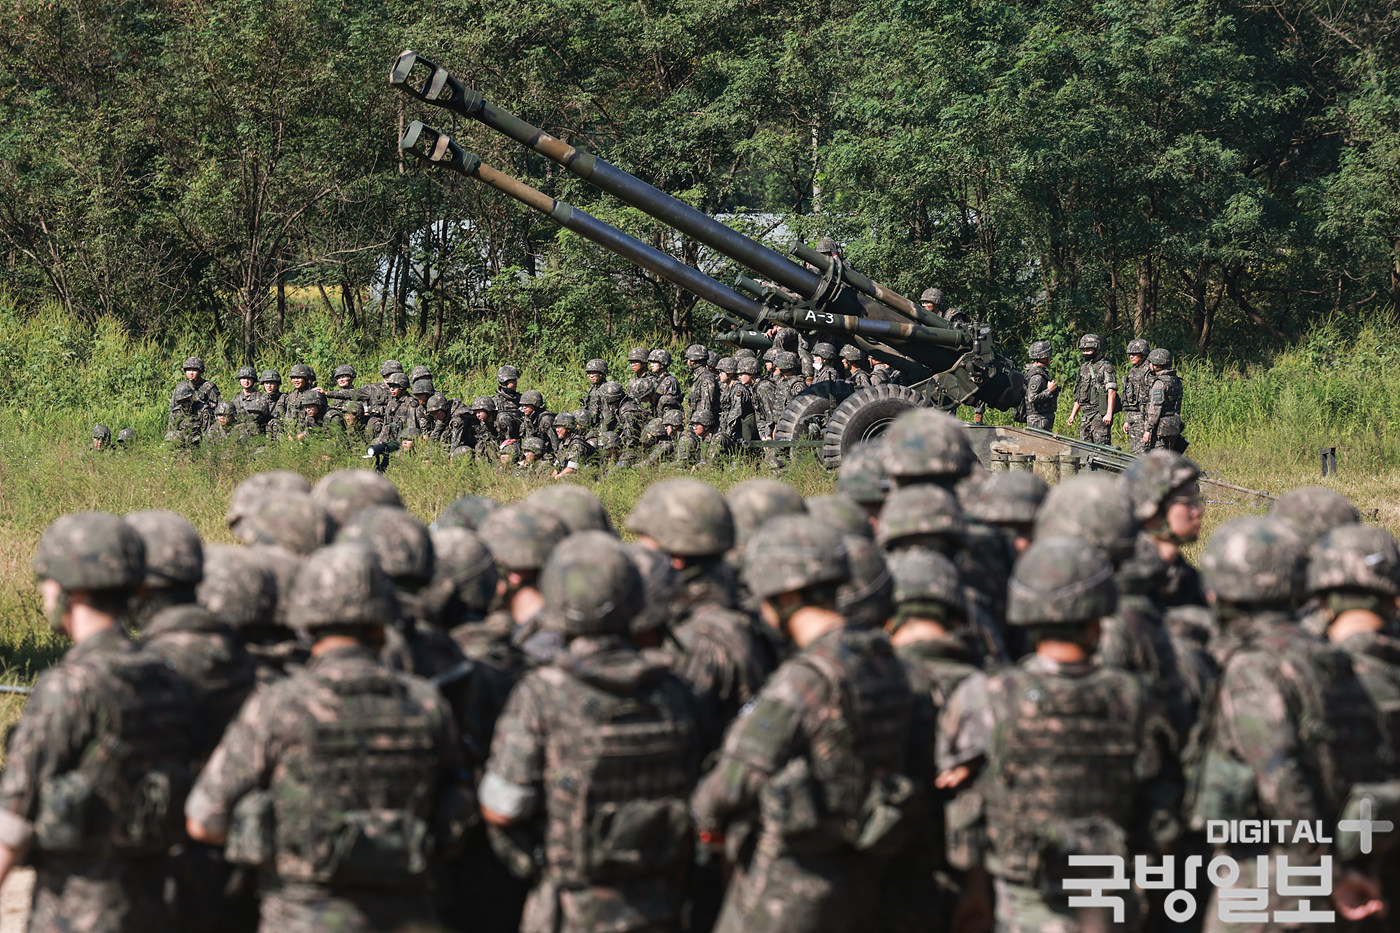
1040 350
912 512
867 598
100 432
842 513
344 369
270 376
794 552
194 363
183 393
1090 342
126 436
671 418
532 398
247 372
1356 558
1009 498
596 366
590 586
93 551
703 416
1152 478
483 403
755 502
341 585
853 353
533 444
174 553
926 445
420 372
398 540
1312 511
932 295
746 366
827 246
660 583
638 355
389 367
578 508
727 365
926 585
422 387
462 565
437 402
1254 561
612 392
862 475
507 373
824 350
345 493
685 517
659 356
302 371
467 512
565 419
521 536
296 522
224 408
1094 507
696 353
1060 581
258 485
1138 347
236 587
1160 357
786 361
640 388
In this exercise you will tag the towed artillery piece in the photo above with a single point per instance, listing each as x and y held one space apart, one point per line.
941 364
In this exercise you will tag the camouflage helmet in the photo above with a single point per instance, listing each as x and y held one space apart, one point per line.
925 442
174 553
671 418
1312 511
659 356
640 388
313 400
507 373
399 541
638 355
290 520
344 369
1254 561
236 587
91 551
727 364
224 408
1361 558
745 353
396 380
654 428
302 371
533 445
270 375
696 353
1143 573
867 598
1138 347
793 552
1092 506
711 358
578 508
1160 357
703 416
824 350
126 435
389 367
659 585
565 419
1153 477
685 517
596 366
356 409
341 585
842 513
1060 580
1009 498
853 353
827 246
183 393
770 354
101 432
194 363
462 564
1090 342
420 372
612 392
755 502
281 566
521 536
932 295
862 476
746 366
437 402
483 403
258 485
467 512
247 372
422 387
786 361
533 398
345 493
590 586
924 576
913 511
1040 350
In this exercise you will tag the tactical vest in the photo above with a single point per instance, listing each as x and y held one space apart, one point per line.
1136 384
207 656
619 782
357 787
126 795
1165 396
1062 757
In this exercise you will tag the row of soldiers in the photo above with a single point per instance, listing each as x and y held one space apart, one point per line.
910 705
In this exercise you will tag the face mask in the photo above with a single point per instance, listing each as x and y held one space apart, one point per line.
817 365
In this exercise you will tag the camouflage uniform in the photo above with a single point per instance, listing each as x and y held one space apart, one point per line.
206 395
668 388
1041 401
189 418
1161 417
739 418
1137 384
290 405
1096 380
595 755
857 374
704 390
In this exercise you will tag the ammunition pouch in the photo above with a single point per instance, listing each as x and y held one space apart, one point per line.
376 849
75 814
252 837
68 806
635 839
1169 426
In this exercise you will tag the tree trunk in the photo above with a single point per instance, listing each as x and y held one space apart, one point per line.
1110 311
250 315
281 300
1144 310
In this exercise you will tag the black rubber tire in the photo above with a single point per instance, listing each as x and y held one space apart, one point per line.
865 415
812 403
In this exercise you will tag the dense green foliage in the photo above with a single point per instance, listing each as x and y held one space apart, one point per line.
1212 173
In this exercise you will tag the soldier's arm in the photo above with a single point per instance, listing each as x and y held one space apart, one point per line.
241 763
1256 726
1161 780
1152 414
512 788
964 732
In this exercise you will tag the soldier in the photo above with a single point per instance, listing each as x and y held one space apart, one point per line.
842 513
534 457
1161 417
293 521
597 372
240 590
101 438
1166 494
422 390
1137 382
637 359
1007 502
862 477
696 445
535 419
521 538
881 373
1042 391
344 376
854 361
824 364
828 248
352 832
1070 758
206 393
220 429
575 506
704 389
345 493
668 389
399 412
96 769
311 417
1313 511
636 410
572 450
291 404
752 504
507 398
489 436
828 737
189 419
467 512
592 747
247 388
932 300
788 385
657 443
271 382
1095 393
607 416
376 395
737 419
126 439
1290 728
441 429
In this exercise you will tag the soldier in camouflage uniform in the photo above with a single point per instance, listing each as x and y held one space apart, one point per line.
572 449
863 479
595 755
597 372
704 388
824 365
189 419
345 493
607 417
1313 511
507 398
789 383
399 412
854 361
101 438
488 434
126 438
1161 416
96 770
636 410
1166 494
637 361
466 512
247 388
1137 383
1069 758
241 592
1042 391
535 419
359 766
206 393
344 391
753 503
657 443
668 389
1008 502
271 382
290 404
534 457
521 538
293 521
1095 394
1290 728
697 445
827 741
576 506
738 418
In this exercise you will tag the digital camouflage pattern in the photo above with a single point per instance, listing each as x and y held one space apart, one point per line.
926 445
862 475
1060 580
685 517
841 513
522 536
1312 511
1137 391
1254 561
256 485
1092 506
913 514
590 586
1041 401
398 541
754 502
237 588
467 512
1010 498
578 508
344 493
90 551
1096 379
1161 415
293 521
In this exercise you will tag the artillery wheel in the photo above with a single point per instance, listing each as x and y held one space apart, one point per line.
810 405
866 415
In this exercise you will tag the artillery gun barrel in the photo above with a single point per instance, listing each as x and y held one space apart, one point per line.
440 88
888 332
430 145
871 288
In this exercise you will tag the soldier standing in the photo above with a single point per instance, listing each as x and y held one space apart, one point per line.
597 372
1042 391
704 390
507 398
668 389
360 766
96 769
1166 494
1095 393
521 538
824 365
737 418
590 749
828 735
854 360
1137 382
1161 419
